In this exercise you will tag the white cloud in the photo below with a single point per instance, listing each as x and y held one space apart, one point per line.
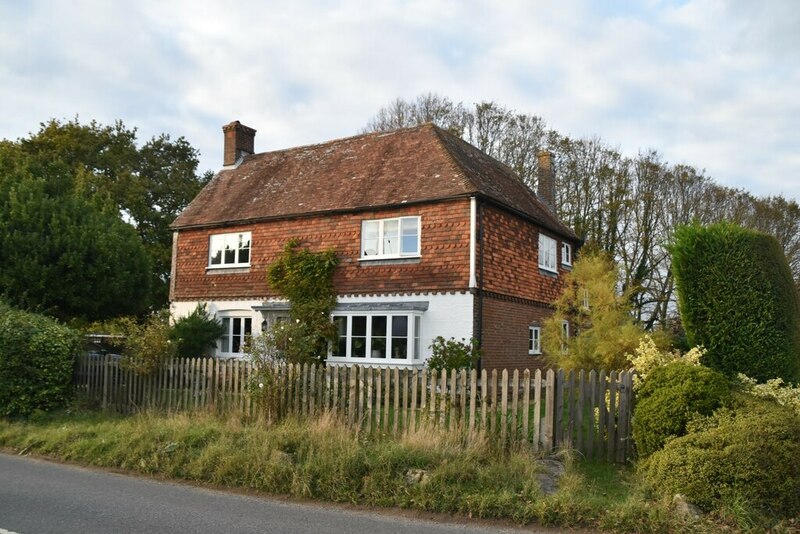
712 83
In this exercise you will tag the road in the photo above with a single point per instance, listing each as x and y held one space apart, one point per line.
37 497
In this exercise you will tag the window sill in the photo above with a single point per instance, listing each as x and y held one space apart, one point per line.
534 353
228 270
548 272
390 261
567 266
375 362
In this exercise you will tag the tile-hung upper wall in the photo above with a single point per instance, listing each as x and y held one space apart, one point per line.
443 264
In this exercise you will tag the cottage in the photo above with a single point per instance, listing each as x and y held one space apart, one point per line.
434 238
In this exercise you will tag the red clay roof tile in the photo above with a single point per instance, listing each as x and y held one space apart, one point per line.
419 164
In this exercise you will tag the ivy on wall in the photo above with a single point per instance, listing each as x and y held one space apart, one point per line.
305 278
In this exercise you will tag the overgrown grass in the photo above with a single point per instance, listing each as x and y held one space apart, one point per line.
321 459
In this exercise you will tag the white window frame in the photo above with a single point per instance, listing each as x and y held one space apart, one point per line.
547 253
413 348
381 224
226 342
566 254
219 242
534 340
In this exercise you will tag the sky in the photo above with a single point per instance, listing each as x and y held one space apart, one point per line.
710 83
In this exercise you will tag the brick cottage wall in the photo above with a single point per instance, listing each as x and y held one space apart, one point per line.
442 266
517 294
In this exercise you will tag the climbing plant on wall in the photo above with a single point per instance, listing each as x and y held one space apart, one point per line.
305 279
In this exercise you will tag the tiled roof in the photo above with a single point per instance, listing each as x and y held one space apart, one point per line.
419 164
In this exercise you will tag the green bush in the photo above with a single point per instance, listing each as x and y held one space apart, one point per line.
744 457
737 299
669 398
450 354
196 333
37 356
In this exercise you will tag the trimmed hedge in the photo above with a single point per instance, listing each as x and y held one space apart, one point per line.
37 357
737 299
747 456
669 398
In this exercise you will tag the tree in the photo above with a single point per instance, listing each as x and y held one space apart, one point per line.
148 186
602 329
64 252
737 299
625 206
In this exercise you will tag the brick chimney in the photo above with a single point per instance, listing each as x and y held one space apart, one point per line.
547 179
239 141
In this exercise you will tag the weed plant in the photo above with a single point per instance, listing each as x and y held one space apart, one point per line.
321 459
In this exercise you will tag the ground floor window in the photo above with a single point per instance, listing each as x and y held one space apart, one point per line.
534 340
236 331
377 337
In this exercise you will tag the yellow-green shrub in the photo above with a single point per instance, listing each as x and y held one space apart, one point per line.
669 398
747 456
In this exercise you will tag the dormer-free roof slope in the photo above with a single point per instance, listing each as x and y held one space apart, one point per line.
374 170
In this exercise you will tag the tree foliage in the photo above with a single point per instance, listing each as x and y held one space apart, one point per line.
602 329
624 205
305 278
196 333
37 356
449 354
738 300
64 251
143 187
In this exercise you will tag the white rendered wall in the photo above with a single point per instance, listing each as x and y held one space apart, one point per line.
448 315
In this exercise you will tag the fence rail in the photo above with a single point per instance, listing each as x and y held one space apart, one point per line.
587 411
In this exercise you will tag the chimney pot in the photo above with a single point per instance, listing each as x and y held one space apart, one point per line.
547 179
239 141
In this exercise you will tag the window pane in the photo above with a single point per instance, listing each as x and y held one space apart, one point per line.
215 245
230 255
248 326
244 255
216 258
369 238
416 337
359 325
237 326
399 348
399 336
358 341
378 340
340 348
391 234
399 326
410 234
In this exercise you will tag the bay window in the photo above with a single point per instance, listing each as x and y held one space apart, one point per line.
373 337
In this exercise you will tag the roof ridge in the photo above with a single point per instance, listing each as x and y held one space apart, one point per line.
364 135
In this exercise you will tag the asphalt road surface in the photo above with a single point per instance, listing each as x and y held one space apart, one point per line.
38 497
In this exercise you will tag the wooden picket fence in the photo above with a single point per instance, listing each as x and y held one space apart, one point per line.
586 411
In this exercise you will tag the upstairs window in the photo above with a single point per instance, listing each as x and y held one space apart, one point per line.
229 250
566 253
390 238
547 253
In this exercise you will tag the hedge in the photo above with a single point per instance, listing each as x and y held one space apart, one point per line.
36 363
737 298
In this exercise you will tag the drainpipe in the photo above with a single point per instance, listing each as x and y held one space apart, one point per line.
479 239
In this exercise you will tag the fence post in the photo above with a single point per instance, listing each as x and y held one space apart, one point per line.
548 441
106 359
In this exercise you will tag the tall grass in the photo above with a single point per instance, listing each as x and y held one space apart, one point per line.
321 459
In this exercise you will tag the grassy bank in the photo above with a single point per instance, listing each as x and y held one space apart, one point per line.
321 460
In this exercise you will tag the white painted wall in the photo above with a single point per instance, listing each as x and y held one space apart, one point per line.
448 315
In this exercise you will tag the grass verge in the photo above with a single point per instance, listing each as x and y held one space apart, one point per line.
320 459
